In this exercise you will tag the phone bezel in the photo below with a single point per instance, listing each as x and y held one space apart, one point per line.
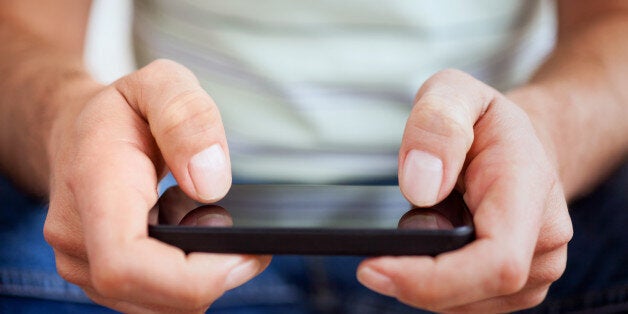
316 241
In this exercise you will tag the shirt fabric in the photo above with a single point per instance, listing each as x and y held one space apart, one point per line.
596 279
319 91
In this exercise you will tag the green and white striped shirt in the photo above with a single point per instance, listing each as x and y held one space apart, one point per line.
319 91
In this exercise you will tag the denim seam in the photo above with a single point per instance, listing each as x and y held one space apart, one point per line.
27 283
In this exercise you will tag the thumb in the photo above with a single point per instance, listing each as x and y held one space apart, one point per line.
186 125
438 135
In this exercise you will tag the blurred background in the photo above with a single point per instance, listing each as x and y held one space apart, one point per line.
108 50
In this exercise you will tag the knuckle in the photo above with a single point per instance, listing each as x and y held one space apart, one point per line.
195 297
116 305
155 77
111 279
195 300
555 267
162 65
512 274
557 229
51 233
63 238
563 224
443 113
555 273
449 74
192 293
72 273
530 299
441 77
163 72
92 295
442 116
187 114
534 300
65 272
565 230
429 299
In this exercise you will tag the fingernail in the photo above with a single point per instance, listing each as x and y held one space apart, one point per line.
240 274
377 281
209 173
422 177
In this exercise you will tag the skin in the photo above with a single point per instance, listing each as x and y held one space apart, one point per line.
98 152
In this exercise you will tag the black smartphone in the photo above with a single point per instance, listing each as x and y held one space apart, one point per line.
313 220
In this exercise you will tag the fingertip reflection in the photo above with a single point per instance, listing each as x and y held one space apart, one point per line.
319 207
176 208
208 216
420 218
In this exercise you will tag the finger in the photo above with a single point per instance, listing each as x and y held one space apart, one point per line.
72 269
507 188
128 307
115 186
547 267
133 267
65 238
557 229
438 134
114 304
186 125
448 280
525 299
62 228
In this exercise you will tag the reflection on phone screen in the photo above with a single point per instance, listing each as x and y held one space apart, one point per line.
305 206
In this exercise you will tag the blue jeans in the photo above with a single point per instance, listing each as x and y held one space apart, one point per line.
596 278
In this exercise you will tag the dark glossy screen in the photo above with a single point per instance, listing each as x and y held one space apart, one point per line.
311 206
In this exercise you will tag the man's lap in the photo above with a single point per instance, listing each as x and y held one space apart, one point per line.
596 274
28 277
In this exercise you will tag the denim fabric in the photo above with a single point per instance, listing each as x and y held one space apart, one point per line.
596 278
28 278
27 266
292 284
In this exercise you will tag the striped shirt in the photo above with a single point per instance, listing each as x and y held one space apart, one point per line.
320 90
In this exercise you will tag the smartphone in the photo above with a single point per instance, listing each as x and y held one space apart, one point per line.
313 220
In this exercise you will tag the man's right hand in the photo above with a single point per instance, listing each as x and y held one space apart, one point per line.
106 157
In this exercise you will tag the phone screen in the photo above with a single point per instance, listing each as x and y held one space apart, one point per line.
311 219
318 207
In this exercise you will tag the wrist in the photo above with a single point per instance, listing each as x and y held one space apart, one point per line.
38 95
585 141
